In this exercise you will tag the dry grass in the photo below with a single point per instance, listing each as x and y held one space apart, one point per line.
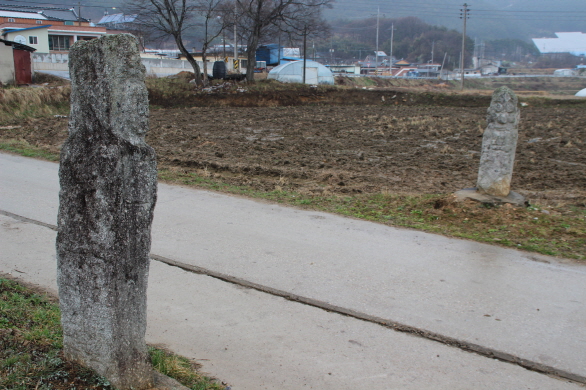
558 230
31 345
21 103
182 370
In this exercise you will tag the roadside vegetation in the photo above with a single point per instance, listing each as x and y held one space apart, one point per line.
31 345
52 96
550 228
22 103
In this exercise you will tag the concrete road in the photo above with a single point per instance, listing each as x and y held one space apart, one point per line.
521 307
64 74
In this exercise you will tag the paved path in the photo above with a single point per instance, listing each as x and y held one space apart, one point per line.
64 74
524 308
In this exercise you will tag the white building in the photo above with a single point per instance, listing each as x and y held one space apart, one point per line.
566 42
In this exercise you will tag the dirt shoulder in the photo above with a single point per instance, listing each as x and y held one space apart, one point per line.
343 149
396 158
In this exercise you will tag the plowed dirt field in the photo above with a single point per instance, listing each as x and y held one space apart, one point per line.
356 148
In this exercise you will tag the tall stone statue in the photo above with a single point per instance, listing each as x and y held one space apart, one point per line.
108 182
499 144
497 157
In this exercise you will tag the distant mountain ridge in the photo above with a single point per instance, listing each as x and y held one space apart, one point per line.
489 19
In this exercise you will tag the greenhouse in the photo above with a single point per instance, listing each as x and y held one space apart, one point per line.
292 72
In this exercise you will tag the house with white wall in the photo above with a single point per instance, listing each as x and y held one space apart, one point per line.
47 29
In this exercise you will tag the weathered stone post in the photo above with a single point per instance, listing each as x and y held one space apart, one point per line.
497 157
108 181
499 144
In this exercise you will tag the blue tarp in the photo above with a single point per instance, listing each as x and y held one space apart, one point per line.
270 54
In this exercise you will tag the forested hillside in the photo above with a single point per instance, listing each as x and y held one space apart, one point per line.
413 40
500 28
489 19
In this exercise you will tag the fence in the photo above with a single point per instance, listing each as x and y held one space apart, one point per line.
160 67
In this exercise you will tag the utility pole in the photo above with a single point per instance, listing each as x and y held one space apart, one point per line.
443 62
304 51
332 50
224 44
235 34
432 49
391 53
376 54
464 16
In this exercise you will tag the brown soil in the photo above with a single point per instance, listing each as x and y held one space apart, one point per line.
399 148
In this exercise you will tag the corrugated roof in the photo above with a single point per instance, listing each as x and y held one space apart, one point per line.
62 15
566 42
51 13
117 19
18 46
21 15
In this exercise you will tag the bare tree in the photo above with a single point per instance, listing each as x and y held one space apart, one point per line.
211 11
310 26
168 18
256 19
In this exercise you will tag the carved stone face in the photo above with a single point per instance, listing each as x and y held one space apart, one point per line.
503 110
124 109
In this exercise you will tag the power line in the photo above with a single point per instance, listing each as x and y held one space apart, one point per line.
485 15
400 7
413 4
560 16
353 28
396 11
554 18
529 11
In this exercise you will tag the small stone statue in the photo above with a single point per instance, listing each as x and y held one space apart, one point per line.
108 178
499 144
497 158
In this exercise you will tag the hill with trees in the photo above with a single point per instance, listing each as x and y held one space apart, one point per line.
498 29
413 40
489 19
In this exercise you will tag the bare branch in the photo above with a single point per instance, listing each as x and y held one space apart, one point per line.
167 17
257 19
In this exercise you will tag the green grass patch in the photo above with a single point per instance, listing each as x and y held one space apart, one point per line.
17 104
561 233
182 370
31 342
23 148
558 232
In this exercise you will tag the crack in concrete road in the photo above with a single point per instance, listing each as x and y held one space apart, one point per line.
396 326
